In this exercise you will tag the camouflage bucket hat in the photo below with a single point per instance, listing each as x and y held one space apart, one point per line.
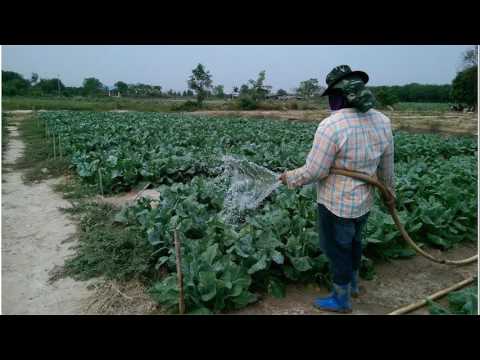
338 74
352 85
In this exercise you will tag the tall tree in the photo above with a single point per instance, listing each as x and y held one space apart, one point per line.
308 88
281 92
464 86
50 86
92 86
257 90
200 81
218 91
14 84
121 87
470 57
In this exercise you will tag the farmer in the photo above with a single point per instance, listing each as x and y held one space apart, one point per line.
354 137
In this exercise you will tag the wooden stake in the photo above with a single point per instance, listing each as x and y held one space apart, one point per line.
181 303
439 294
54 152
100 180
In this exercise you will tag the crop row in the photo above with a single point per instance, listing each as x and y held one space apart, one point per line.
226 265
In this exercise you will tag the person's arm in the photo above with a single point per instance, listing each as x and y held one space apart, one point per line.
385 170
318 162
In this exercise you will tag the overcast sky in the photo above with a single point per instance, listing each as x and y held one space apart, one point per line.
232 65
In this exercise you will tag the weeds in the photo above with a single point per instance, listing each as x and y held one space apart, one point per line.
108 249
38 161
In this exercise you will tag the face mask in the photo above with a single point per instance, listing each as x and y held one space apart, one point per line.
337 102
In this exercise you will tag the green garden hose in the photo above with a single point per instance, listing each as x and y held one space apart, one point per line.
389 200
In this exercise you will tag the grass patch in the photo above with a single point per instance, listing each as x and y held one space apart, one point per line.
38 161
422 107
117 252
5 132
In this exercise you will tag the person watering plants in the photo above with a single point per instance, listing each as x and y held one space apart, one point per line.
354 137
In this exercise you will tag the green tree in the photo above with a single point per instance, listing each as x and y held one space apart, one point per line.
386 97
464 86
281 92
92 87
470 57
218 91
257 90
121 87
308 88
200 82
14 84
244 89
50 86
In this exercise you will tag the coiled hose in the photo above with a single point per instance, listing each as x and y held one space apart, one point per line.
389 200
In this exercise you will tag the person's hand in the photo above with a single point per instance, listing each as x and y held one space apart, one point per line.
283 178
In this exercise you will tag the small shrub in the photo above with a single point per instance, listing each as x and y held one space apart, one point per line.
186 106
247 103
293 106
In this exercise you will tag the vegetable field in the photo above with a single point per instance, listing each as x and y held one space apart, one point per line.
227 266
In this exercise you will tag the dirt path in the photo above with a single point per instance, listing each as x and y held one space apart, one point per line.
36 238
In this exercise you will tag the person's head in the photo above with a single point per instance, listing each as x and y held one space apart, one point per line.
346 88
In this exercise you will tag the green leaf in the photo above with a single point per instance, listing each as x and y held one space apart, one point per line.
276 288
243 299
277 257
199 311
301 263
259 265
153 236
207 285
209 255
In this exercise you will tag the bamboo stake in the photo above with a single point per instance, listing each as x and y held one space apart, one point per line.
54 153
439 294
181 303
100 180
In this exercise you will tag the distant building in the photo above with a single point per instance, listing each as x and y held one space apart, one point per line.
284 97
112 91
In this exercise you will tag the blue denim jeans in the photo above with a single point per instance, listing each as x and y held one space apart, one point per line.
341 241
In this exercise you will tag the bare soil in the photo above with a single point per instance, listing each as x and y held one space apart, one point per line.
448 122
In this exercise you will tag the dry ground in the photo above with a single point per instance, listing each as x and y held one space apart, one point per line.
446 122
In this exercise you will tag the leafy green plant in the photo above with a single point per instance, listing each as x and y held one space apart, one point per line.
462 302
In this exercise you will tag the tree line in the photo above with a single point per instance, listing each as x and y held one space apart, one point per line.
463 89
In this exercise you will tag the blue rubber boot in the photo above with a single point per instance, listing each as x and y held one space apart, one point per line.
355 291
339 301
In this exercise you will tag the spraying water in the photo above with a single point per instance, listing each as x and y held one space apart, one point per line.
248 185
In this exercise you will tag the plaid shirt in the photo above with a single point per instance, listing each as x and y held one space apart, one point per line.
354 141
